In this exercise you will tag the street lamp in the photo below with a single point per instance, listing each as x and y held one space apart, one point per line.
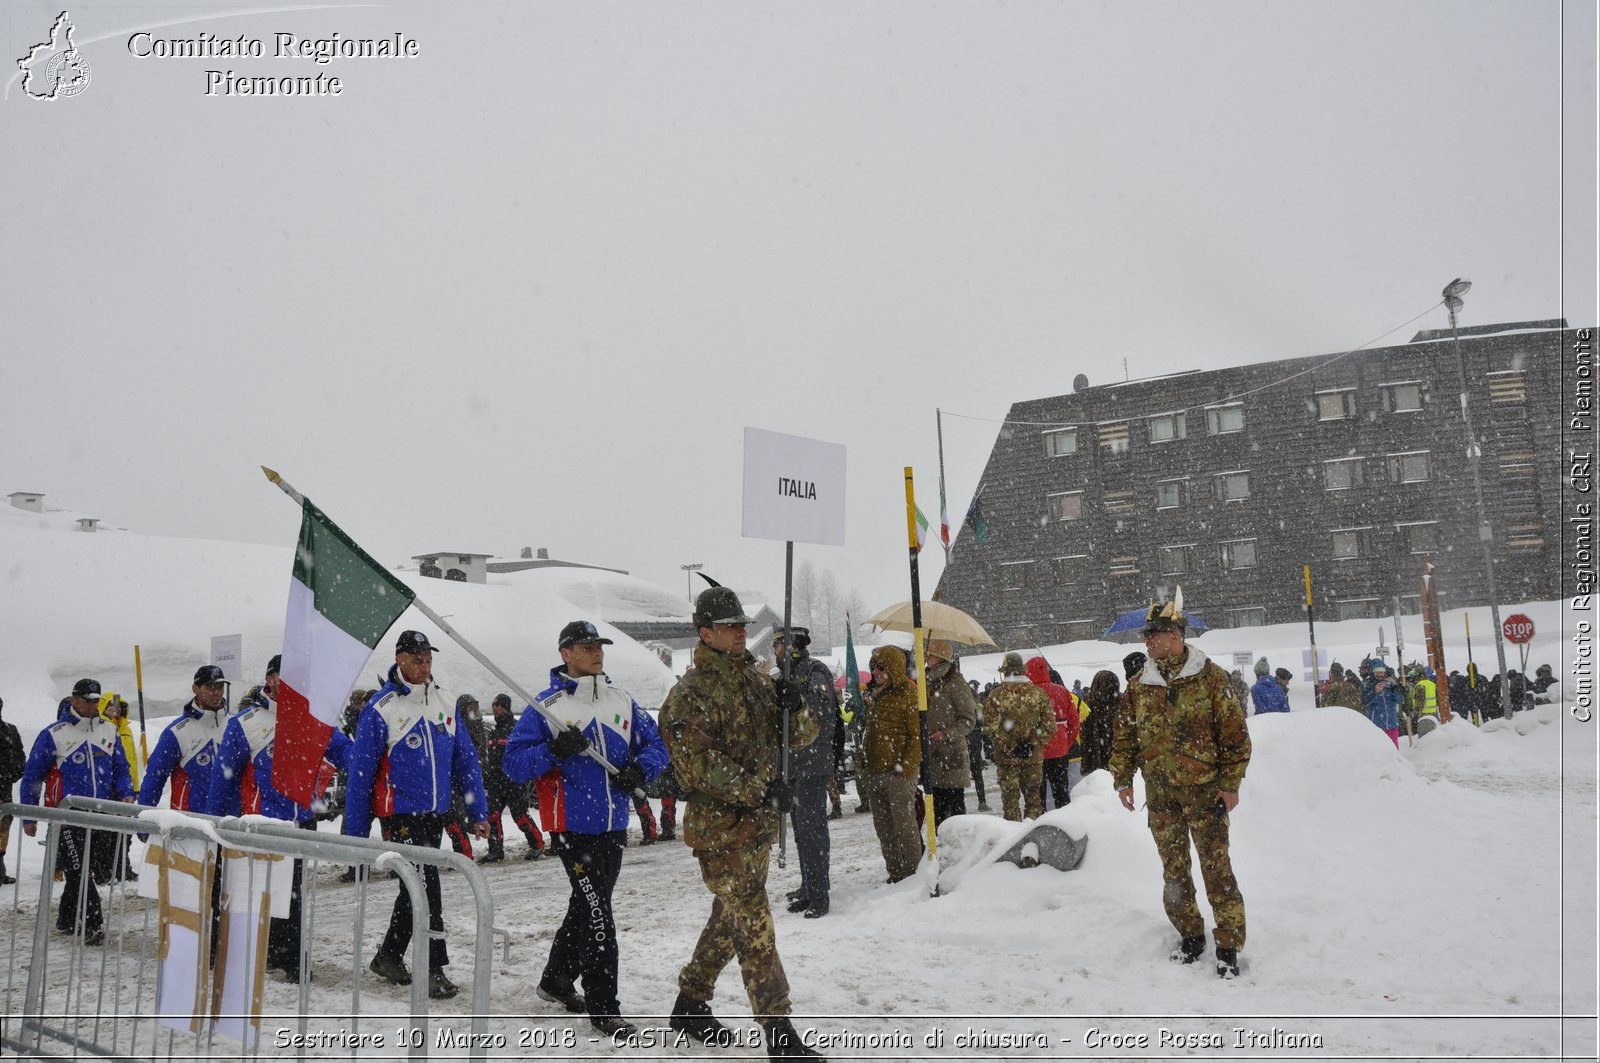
688 581
1452 301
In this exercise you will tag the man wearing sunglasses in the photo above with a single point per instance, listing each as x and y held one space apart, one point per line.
1183 727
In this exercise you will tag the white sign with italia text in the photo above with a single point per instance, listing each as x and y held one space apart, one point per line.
793 488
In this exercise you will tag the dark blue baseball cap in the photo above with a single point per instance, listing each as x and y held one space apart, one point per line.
581 631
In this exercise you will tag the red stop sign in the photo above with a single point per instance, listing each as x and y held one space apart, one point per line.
1517 628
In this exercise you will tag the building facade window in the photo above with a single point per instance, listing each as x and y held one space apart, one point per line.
1123 501
1350 543
1071 568
1247 616
1068 505
1168 427
1240 553
1123 566
1113 437
1175 559
1231 486
1402 397
1357 608
1508 388
1341 474
1169 494
1016 575
1336 405
1421 537
1061 442
1220 420
1410 468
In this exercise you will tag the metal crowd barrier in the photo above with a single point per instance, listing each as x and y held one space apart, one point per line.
96 1017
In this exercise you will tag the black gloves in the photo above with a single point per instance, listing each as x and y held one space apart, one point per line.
789 698
629 777
1022 749
568 743
780 795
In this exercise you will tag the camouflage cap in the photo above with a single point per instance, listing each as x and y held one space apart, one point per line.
718 605
1011 664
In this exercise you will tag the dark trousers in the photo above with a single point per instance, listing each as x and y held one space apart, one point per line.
74 858
669 815
948 801
975 755
809 814
586 942
1057 779
283 935
504 793
423 829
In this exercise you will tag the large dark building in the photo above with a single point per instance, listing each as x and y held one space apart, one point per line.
1228 481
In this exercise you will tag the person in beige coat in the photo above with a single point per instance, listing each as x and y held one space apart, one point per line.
952 714
892 748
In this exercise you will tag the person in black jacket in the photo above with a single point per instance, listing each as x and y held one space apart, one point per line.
12 760
503 791
809 769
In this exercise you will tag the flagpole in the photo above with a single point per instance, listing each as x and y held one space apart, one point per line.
944 512
422 607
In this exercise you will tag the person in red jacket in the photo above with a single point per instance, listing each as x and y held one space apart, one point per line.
1065 707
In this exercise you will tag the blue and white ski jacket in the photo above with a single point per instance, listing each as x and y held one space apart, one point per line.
1269 696
243 785
576 794
1382 704
407 755
186 752
76 757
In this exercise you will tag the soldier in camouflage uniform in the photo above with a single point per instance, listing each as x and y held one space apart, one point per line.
722 724
1019 720
1182 725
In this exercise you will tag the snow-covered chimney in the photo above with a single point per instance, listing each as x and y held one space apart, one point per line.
544 555
87 523
527 552
32 501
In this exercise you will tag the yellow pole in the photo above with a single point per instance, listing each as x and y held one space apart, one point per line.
920 666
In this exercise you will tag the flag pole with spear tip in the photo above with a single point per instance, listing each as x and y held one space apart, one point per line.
921 673
443 625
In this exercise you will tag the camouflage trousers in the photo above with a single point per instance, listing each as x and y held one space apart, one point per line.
1019 783
1178 813
740 925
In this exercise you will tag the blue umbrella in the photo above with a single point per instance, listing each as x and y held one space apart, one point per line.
1133 620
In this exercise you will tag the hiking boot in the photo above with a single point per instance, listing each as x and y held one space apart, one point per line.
983 806
534 852
291 972
348 874
493 856
1189 949
817 908
783 1041
668 834
614 1026
5 879
567 996
1227 963
694 1018
390 968
863 807
96 936
836 813
795 895
800 903
440 987
648 839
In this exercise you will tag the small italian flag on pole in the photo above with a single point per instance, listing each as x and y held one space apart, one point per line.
922 530
341 602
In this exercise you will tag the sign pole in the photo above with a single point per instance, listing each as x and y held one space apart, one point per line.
783 671
1311 626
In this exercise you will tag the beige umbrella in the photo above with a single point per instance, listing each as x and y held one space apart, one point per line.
939 621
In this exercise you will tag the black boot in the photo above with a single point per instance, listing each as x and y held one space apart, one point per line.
1189 949
800 903
1227 963
694 1018
5 879
783 1041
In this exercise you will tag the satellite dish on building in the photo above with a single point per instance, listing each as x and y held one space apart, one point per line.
1080 382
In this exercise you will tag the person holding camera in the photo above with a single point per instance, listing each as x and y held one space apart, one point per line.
1183 727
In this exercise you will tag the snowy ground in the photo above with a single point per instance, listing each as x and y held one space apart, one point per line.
1432 902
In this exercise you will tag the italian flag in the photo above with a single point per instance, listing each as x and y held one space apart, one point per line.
341 602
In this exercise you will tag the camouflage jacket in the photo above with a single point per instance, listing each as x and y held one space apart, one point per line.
1189 733
1017 712
953 710
892 744
722 727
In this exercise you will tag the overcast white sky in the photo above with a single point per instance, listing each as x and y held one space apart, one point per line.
529 287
